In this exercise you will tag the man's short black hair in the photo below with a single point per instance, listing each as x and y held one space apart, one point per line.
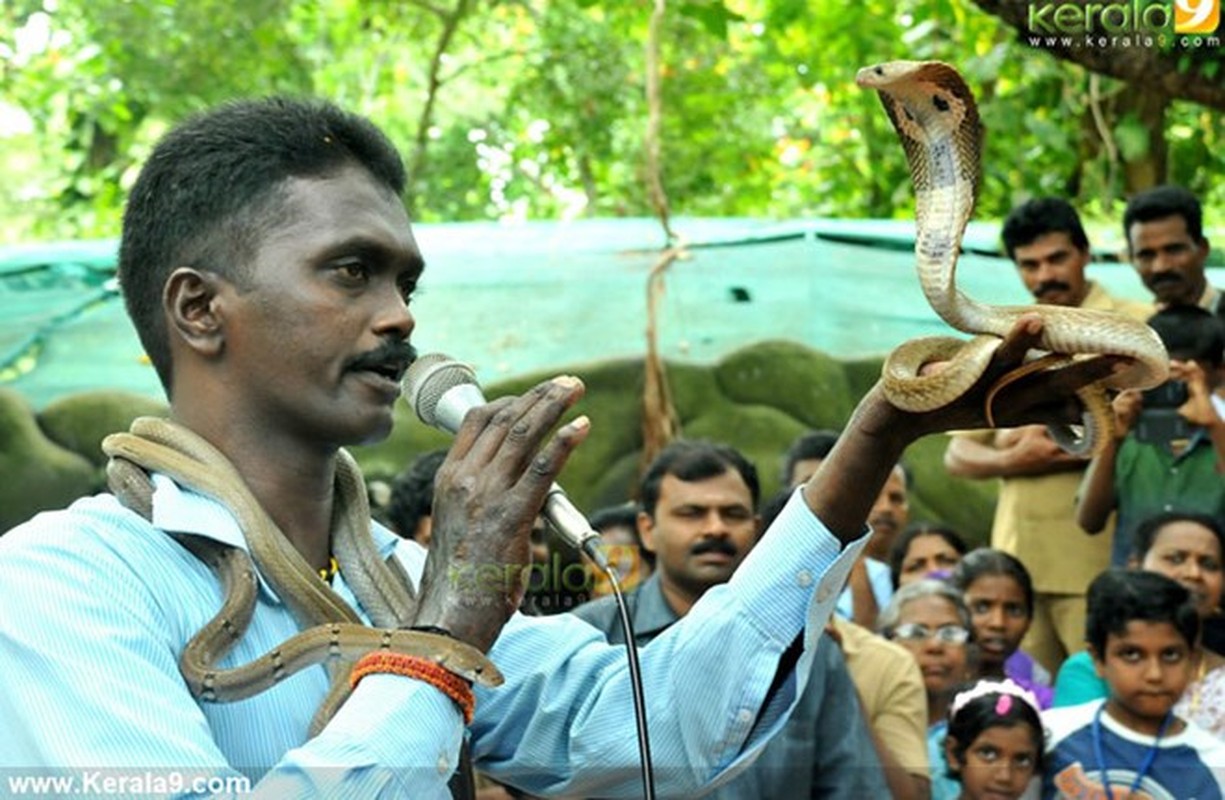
695 460
622 515
1038 217
412 493
814 444
214 185
1191 333
1161 202
1119 596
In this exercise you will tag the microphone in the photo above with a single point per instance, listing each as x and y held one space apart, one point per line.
441 391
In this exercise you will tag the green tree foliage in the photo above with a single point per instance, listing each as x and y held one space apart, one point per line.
536 108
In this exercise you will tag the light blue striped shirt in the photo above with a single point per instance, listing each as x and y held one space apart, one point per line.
97 605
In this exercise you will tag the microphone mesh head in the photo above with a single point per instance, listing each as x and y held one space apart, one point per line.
429 378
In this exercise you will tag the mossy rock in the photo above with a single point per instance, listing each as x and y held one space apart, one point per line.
862 374
760 432
618 483
758 399
80 422
694 389
38 474
967 506
804 383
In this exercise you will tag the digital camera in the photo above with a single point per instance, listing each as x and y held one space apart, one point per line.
1159 421
1170 394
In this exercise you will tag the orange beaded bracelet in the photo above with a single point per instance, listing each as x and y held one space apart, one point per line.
421 669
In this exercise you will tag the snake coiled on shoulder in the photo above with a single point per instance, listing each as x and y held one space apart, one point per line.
333 634
936 118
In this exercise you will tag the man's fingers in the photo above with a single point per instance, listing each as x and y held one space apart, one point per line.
514 428
546 465
474 424
1049 395
1021 339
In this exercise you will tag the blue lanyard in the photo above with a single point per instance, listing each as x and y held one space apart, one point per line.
1145 765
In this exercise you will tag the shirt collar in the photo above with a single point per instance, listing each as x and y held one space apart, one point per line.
1210 300
652 614
177 509
1093 294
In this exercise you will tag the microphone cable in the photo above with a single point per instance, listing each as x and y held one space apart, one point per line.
593 553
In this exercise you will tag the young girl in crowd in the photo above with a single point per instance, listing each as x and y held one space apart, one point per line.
1000 596
995 741
1187 547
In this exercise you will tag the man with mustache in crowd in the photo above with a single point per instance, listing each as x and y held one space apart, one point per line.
1034 516
699 517
1166 245
871 585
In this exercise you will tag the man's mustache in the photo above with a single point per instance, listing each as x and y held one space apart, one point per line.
1164 277
714 546
399 353
883 519
1051 286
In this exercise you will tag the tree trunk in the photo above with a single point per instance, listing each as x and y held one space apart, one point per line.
1149 106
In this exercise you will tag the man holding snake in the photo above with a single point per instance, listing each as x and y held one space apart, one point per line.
268 264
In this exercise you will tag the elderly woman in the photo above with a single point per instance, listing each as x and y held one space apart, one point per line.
930 619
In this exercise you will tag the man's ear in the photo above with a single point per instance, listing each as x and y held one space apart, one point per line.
190 303
646 531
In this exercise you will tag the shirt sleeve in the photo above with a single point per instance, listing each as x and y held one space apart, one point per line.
91 630
92 696
901 721
563 723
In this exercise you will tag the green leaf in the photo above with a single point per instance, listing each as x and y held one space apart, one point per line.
1132 138
711 14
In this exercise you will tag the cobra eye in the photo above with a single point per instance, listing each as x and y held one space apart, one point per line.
880 71
940 103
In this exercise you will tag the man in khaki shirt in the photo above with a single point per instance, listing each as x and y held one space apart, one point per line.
1035 516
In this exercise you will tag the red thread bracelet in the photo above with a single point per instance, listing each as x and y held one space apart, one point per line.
421 669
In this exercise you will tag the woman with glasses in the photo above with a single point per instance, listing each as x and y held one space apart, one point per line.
930 619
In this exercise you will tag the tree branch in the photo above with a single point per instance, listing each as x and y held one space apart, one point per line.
1135 64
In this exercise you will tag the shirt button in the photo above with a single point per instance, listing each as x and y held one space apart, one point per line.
825 592
804 578
444 764
744 716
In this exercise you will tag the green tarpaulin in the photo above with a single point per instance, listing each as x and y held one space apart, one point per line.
516 298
